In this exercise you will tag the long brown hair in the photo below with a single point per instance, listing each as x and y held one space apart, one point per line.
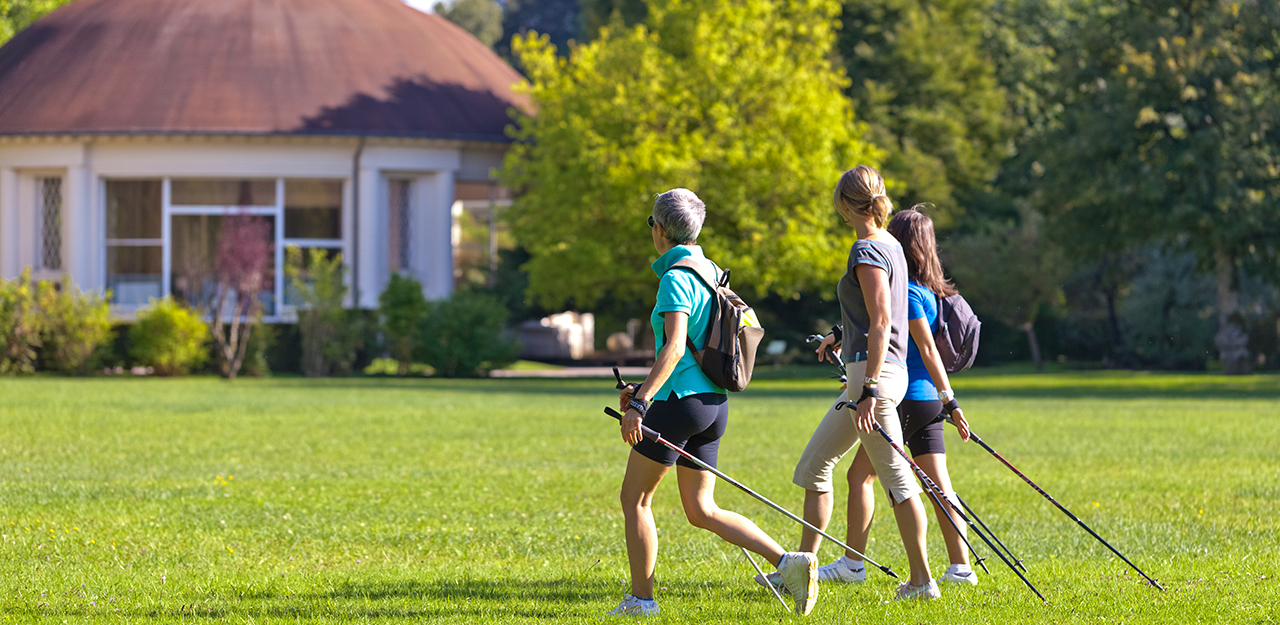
914 230
860 191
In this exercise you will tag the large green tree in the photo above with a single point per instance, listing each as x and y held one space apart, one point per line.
16 15
1168 132
482 18
734 99
923 76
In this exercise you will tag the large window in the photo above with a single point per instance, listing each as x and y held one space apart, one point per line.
135 244
163 236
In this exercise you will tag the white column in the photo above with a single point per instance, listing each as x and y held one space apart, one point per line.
81 232
433 234
371 249
10 265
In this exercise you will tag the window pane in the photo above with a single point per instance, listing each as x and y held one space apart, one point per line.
215 192
134 273
194 246
50 241
313 209
133 209
398 225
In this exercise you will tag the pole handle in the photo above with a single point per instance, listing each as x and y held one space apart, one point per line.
644 429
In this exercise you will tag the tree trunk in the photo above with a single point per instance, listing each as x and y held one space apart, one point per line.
1231 339
1030 329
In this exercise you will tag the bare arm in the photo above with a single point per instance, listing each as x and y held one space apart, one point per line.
921 334
677 326
875 292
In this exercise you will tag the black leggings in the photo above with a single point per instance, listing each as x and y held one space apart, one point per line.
922 433
694 423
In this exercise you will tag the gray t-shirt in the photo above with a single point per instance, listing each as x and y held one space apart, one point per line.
853 308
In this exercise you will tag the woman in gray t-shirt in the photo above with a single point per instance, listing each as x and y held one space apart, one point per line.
873 309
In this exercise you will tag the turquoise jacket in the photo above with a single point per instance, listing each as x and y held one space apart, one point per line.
681 291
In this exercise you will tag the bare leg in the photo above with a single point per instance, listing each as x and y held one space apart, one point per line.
698 496
817 511
935 465
641 480
862 503
912 524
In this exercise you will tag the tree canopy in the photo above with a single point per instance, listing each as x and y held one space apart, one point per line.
16 15
736 100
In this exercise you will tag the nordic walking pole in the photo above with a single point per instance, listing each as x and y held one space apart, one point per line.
763 576
977 439
990 533
931 485
654 436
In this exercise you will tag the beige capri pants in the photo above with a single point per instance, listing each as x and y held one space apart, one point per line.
838 433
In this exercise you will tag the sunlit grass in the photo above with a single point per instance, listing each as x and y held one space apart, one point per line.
462 501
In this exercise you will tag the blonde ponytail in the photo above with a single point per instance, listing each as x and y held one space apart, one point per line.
861 192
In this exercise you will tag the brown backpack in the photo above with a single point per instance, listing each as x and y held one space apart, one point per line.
729 355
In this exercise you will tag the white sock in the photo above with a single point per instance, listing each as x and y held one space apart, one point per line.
961 569
851 564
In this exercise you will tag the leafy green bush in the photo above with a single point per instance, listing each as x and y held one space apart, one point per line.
331 336
464 336
21 325
401 310
76 324
169 337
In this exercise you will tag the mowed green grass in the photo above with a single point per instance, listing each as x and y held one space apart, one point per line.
282 500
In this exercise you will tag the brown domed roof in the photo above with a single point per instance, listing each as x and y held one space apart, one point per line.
345 67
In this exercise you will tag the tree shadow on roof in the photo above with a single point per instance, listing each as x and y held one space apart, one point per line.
418 108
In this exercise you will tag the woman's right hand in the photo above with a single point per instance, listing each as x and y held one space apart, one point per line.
631 427
827 349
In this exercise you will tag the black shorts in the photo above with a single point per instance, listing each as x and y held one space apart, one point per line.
694 424
922 433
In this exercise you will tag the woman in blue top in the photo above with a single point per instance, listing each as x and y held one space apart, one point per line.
690 411
927 390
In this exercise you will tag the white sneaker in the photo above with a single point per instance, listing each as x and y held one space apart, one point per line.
956 576
799 573
907 591
841 572
773 579
635 606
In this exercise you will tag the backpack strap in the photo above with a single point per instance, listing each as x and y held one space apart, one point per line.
706 273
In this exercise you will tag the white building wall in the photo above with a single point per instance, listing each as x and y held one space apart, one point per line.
85 163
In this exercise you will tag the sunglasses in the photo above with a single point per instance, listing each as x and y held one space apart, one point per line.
652 221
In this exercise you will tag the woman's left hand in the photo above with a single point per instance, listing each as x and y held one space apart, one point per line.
957 417
631 426
865 419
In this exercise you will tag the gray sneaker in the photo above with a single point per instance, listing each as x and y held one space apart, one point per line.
634 606
952 576
799 572
927 592
840 572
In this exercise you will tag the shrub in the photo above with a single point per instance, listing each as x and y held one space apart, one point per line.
464 336
169 337
76 324
21 325
401 310
331 336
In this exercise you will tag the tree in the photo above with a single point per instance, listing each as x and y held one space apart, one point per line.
1010 271
923 78
16 15
1170 118
402 309
240 265
559 20
482 18
737 101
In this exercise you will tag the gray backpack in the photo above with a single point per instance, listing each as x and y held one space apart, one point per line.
957 333
729 355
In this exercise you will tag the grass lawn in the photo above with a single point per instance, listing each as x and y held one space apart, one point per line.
495 501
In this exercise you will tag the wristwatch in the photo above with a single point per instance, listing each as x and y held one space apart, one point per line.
946 395
870 381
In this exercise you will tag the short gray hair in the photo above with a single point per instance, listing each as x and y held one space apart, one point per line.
681 214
